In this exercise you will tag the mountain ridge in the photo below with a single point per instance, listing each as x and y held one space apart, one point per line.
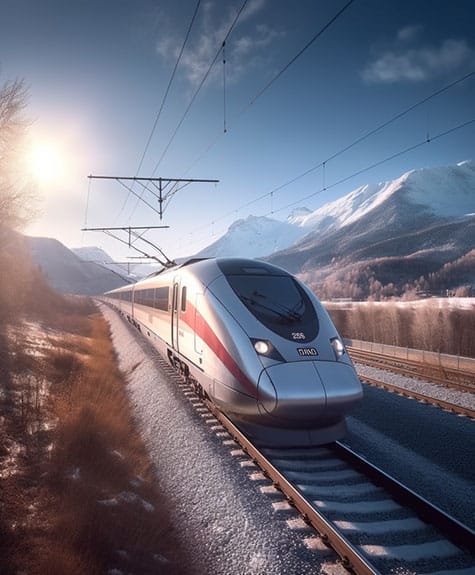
418 225
422 220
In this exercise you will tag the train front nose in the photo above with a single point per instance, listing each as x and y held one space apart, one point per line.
309 390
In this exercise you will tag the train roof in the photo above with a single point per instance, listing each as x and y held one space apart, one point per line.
208 267
175 267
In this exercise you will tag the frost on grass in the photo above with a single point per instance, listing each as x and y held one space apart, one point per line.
127 497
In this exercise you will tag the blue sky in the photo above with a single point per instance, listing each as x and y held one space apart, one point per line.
97 72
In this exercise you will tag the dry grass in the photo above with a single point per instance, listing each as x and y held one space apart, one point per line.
81 496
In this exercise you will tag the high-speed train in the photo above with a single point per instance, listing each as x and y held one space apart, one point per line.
253 339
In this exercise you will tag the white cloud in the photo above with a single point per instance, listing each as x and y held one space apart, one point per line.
409 33
405 63
243 50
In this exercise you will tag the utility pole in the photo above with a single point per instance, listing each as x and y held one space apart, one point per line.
132 237
163 189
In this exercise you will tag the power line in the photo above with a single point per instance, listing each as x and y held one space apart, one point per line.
276 77
159 113
165 96
205 77
351 176
380 162
304 49
340 152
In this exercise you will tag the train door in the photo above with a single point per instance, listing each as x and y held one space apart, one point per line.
174 319
198 325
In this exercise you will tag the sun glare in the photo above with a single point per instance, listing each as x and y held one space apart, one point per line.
46 163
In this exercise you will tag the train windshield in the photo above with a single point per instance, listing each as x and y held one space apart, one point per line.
278 302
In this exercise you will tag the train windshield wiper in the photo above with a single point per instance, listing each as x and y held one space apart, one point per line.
290 312
284 311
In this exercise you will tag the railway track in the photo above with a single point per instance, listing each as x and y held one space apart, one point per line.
451 378
426 398
459 403
371 521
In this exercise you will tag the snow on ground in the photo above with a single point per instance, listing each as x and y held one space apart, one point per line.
432 303
219 511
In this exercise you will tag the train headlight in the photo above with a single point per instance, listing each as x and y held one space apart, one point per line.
264 347
338 347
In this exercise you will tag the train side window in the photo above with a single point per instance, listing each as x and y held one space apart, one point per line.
161 298
183 298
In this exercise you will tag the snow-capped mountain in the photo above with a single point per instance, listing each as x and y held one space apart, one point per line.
93 254
254 237
443 191
399 232
421 220
67 272
129 271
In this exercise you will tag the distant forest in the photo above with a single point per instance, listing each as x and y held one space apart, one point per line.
432 326
387 278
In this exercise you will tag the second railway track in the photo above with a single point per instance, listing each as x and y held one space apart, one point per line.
451 378
393 375
424 397
374 523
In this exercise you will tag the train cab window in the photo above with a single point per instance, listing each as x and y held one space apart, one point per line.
183 298
278 302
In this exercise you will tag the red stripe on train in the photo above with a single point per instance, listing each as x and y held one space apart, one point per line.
197 323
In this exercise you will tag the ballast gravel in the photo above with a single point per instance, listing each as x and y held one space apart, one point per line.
461 398
222 517
233 524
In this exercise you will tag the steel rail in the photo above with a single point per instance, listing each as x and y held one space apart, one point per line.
420 369
351 557
460 534
459 409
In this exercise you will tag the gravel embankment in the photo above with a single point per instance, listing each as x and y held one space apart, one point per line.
220 512
464 399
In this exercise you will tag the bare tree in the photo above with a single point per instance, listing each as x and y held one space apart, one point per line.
16 200
16 188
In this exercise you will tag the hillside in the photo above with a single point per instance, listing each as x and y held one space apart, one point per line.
254 237
412 234
398 234
68 273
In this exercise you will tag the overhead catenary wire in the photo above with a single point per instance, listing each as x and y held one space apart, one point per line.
425 141
224 88
205 77
327 186
324 164
162 104
274 79
201 84
167 91
299 53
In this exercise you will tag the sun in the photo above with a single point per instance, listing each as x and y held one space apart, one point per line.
46 162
